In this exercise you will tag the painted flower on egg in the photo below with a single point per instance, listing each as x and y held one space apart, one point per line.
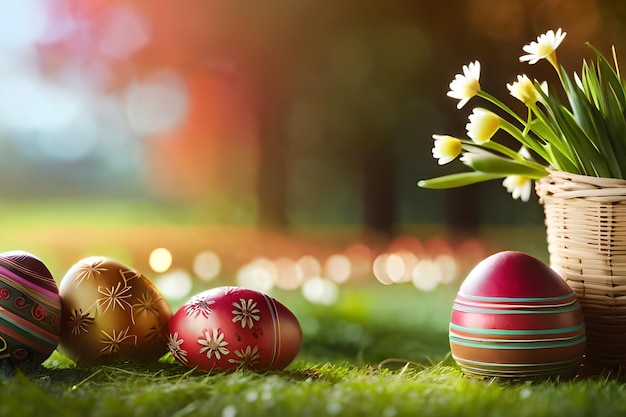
245 312
111 312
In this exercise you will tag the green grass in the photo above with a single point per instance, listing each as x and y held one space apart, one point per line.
380 351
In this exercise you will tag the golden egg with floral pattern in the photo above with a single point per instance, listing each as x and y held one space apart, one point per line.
111 312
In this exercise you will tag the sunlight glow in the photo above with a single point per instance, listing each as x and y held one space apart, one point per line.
22 23
410 260
31 103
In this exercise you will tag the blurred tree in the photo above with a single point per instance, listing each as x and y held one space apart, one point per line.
372 61
337 86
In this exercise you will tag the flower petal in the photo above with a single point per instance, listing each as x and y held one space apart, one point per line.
466 85
543 47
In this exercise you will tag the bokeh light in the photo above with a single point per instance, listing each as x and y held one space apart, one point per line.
309 266
426 275
448 266
379 268
320 291
124 30
207 265
288 276
175 284
395 267
257 275
160 260
338 268
157 104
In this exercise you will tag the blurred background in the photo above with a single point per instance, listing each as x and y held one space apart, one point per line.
274 142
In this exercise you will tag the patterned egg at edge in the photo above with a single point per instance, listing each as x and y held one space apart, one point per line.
226 328
515 318
30 308
110 313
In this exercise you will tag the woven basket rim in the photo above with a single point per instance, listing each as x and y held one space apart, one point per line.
585 179
568 186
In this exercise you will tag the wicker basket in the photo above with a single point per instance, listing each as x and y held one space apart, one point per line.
586 234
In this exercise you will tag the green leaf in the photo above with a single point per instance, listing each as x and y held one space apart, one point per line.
552 140
593 125
493 164
588 160
457 180
610 75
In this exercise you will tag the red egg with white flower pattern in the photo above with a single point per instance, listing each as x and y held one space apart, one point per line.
230 327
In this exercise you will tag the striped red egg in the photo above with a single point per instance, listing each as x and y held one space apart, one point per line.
231 327
515 317
30 309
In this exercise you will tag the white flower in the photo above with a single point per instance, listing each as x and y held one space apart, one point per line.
523 151
466 85
524 90
199 305
214 344
446 148
246 312
519 186
483 124
544 47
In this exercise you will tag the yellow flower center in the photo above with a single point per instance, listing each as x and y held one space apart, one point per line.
471 88
544 49
482 126
451 147
519 180
524 90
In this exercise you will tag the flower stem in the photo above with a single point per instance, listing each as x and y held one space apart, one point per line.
523 139
500 104
515 156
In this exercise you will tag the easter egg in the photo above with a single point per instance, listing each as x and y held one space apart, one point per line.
515 317
111 312
231 327
30 309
